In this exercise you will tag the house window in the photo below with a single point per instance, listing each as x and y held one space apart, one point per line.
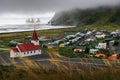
34 51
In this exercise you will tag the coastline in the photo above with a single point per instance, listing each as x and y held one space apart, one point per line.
24 28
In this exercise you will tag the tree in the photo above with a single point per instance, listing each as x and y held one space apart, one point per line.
87 49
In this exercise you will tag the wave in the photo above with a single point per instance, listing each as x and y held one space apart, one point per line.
23 28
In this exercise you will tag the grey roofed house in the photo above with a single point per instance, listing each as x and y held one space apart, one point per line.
118 32
80 34
89 33
93 51
89 39
70 36
43 38
100 35
13 42
115 33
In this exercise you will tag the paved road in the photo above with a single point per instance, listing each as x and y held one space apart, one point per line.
45 61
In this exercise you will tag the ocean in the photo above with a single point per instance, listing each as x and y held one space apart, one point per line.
23 28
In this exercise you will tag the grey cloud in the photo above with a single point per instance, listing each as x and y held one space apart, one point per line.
38 6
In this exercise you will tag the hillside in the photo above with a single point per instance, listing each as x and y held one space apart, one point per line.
80 17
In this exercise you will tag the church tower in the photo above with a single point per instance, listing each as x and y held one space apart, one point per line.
35 39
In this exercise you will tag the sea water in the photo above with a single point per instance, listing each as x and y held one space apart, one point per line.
23 28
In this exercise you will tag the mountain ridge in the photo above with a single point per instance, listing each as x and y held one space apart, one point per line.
92 16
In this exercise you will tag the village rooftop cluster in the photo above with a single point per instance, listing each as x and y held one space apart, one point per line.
98 43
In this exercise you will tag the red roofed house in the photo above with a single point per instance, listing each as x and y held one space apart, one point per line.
113 57
22 50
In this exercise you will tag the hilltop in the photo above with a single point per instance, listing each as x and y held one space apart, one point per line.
101 16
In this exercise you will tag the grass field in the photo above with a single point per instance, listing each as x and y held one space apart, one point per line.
33 72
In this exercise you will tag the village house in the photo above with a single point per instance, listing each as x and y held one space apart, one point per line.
44 38
100 55
78 50
93 51
89 33
102 46
115 33
29 49
113 57
100 35
62 45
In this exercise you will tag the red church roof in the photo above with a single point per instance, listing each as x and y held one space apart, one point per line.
34 36
15 50
28 47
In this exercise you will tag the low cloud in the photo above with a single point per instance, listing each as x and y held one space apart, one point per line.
42 6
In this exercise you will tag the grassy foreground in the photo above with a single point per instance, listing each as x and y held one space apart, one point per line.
33 71
23 73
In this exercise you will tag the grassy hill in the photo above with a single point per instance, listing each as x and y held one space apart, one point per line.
100 16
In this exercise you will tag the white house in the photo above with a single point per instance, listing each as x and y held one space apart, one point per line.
62 45
22 50
100 35
93 51
89 33
79 34
102 46
89 39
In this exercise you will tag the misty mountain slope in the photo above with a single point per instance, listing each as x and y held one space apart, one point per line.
97 16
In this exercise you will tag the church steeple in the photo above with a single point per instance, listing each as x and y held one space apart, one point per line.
35 39
34 36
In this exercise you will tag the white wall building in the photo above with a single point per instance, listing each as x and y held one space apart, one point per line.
100 35
22 50
93 51
102 46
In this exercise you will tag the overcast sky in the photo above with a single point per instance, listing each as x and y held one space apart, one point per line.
12 10
42 6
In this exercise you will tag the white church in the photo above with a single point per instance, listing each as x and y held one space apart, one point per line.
22 50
